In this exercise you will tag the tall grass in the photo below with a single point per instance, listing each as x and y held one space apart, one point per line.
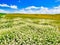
28 31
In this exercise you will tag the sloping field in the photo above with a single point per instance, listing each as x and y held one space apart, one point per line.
29 30
42 16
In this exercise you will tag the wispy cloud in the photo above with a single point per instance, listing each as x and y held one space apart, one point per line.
9 6
4 11
39 10
32 7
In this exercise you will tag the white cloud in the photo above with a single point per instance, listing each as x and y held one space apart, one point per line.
36 10
13 6
39 10
10 6
32 7
4 5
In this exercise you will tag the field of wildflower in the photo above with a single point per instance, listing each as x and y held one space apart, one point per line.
29 31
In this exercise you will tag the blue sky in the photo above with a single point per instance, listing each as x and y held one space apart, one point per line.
28 6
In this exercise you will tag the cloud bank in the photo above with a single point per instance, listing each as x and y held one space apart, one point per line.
36 10
40 10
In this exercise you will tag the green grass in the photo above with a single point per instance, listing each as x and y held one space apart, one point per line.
29 31
2 14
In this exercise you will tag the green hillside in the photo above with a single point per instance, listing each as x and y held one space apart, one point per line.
30 29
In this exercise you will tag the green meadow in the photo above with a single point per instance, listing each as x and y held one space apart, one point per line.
29 29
